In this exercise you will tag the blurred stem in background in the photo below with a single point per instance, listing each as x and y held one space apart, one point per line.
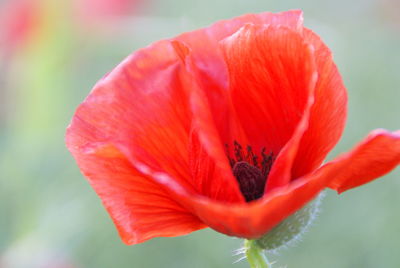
40 49
36 54
43 82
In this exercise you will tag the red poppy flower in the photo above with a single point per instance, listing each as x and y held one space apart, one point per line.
224 127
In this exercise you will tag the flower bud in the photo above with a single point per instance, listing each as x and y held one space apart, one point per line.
292 228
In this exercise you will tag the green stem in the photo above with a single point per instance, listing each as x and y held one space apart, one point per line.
254 255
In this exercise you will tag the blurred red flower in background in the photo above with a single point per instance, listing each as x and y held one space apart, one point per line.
18 18
100 9
224 127
97 14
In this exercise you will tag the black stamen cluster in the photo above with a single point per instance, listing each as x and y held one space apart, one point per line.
250 173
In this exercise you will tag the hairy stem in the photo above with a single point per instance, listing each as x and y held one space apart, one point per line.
255 255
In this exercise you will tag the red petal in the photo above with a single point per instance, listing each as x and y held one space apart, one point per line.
377 155
254 219
142 108
210 70
204 43
140 208
210 170
211 173
328 113
272 78
209 162
209 62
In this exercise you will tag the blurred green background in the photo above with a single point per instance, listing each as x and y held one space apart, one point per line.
53 52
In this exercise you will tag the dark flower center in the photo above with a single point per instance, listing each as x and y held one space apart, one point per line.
251 180
250 173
